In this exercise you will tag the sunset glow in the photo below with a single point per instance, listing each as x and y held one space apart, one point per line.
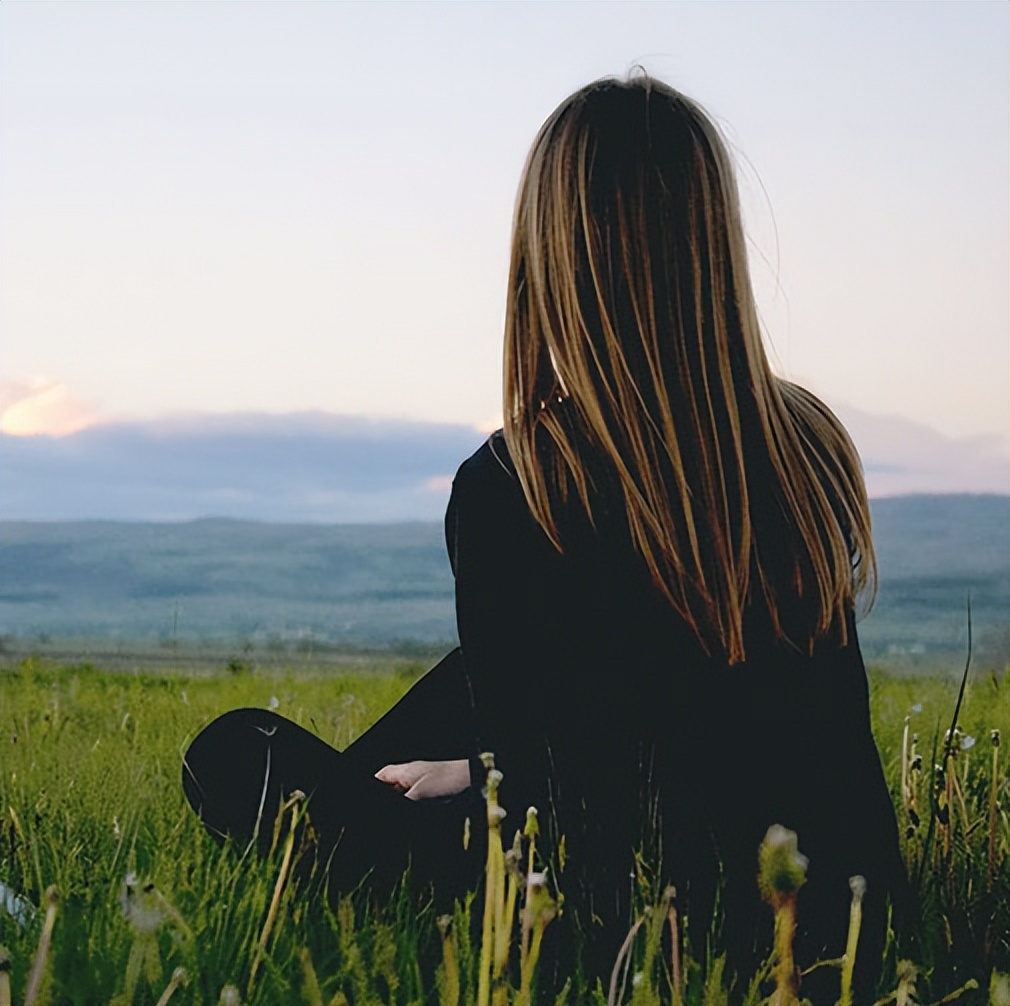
41 408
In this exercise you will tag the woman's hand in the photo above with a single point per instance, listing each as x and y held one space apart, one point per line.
422 780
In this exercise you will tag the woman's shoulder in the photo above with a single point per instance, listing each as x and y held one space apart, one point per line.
489 465
488 502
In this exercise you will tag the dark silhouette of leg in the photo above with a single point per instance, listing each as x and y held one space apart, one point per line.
241 768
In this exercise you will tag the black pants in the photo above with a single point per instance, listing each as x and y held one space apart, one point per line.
243 766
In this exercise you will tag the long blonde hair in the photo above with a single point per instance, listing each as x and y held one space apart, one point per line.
636 382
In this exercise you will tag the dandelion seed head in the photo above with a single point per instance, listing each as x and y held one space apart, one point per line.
513 862
532 828
917 708
907 972
140 906
967 742
782 868
230 996
857 885
274 702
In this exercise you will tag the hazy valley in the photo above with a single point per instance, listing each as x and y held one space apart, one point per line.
302 588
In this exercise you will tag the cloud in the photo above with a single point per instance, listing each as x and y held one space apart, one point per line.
313 467
323 468
902 457
41 407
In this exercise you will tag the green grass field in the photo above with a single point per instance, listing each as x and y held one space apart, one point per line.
90 799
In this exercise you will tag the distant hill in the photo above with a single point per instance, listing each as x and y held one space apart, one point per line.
284 586
363 584
934 554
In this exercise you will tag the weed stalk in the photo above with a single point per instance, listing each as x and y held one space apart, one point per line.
493 871
293 804
450 985
858 886
993 811
39 966
179 977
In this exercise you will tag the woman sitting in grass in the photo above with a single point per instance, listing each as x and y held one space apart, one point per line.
657 566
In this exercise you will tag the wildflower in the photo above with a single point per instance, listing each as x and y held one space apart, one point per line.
782 871
140 906
274 702
904 994
491 784
147 909
782 867
532 828
539 910
495 816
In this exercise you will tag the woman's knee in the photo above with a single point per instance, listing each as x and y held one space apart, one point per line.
225 769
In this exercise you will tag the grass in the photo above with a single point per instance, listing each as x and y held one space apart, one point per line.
90 804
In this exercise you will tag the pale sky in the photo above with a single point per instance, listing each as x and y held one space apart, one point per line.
287 206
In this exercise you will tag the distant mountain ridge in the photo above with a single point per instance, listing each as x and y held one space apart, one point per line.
281 585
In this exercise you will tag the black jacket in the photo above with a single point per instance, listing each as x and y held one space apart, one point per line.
604 712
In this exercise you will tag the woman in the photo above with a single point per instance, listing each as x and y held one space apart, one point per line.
657 565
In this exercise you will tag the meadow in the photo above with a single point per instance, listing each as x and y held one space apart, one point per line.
106 867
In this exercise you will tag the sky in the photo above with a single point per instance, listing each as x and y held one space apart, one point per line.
286 207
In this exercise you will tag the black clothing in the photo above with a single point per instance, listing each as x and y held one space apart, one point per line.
243 766
600 705
604 712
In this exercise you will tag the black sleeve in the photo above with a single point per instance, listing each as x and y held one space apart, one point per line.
433 721
493 550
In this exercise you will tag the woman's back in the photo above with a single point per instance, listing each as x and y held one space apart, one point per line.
604 711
